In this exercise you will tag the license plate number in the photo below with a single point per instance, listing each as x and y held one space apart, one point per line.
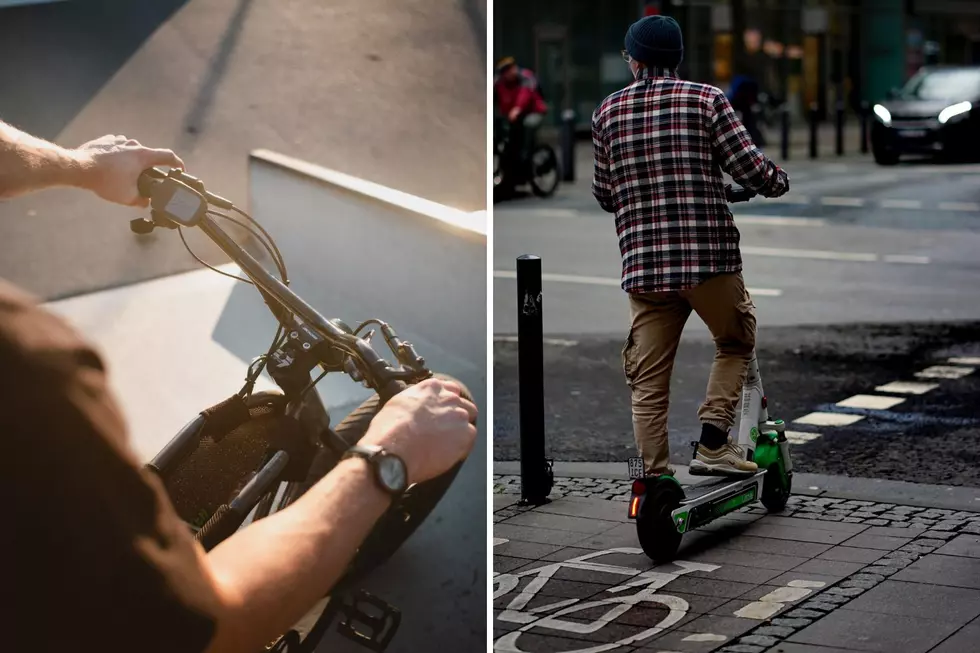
636 468
912 133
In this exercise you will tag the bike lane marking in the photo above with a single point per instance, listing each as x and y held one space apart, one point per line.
650 581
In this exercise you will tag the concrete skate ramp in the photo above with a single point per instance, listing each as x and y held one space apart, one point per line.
178 344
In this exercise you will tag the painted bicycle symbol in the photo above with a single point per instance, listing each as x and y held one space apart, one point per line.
648 583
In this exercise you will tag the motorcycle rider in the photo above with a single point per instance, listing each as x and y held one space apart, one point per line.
520 102
99 558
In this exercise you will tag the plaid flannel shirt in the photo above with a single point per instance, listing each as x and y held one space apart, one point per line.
660 147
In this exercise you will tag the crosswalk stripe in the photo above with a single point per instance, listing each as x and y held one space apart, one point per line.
828 419
842 201
873 402
901 204
959 206
907 387
944 372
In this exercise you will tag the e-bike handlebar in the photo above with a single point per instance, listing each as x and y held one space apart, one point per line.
177 197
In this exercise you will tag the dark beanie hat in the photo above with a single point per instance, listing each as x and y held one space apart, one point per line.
656 41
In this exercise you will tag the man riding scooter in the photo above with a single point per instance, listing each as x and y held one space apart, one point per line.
520 102
660 146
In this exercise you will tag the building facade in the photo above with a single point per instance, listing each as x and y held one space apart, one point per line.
808 52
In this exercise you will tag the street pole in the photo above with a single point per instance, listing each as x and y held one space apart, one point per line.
814 109
784 117
840 127
536 473
864 126
568 145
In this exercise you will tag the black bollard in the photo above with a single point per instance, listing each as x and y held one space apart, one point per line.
785 132
839 126
813 130
568 145
865 110
536 473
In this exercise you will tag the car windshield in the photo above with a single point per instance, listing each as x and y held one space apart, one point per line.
959 84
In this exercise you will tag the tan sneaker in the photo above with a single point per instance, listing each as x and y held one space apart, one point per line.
728 460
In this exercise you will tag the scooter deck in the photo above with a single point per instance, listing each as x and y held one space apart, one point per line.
716 486
707 501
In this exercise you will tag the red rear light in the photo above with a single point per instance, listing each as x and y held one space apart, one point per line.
765 402
639 487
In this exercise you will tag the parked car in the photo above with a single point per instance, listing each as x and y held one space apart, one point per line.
937 112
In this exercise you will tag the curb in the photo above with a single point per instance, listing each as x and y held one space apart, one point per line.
473 222
919 495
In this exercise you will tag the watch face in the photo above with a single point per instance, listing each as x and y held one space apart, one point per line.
392 472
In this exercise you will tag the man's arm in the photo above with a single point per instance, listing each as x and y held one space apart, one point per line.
28 163
601 180
271 573
739 157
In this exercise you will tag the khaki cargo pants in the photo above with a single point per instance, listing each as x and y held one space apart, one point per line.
657 320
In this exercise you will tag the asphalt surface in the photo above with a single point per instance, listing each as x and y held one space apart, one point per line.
839 315
366 87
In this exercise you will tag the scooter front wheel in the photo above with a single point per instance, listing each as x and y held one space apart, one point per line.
777 485
655 527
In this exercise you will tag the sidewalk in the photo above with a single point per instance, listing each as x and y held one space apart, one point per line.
830 574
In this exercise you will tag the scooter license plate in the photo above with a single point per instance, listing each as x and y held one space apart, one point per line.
635 468
912 133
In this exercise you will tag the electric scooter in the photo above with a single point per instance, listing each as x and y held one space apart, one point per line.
664 511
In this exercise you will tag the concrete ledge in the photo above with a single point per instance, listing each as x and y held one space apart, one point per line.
475 221
841 487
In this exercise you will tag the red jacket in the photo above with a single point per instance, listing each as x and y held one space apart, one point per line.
523 94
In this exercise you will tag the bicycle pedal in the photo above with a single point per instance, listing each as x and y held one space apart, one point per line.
382 626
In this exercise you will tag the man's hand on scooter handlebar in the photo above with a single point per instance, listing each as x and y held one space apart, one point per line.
734 193
430 426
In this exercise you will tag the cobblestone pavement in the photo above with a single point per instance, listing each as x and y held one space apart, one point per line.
841 574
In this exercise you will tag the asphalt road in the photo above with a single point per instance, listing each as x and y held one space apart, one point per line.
367 87
861 276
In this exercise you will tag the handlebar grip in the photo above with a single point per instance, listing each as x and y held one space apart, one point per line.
148 180
739 193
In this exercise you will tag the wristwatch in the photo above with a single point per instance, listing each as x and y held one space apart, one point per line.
389 469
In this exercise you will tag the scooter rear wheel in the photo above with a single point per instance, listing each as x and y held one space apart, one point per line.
655 527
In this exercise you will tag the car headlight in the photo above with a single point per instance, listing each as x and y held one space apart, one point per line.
884 115
954 111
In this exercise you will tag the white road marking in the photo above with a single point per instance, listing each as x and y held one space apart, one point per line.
959 206
788 199
907 387
815 584
901 204
779 220
704 637
809 253
800 437
964 360
557 342
842 201
873 402
944 372
906 258
828 419
500 540
776 600
609 281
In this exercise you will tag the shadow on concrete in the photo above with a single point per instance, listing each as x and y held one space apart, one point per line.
194 121
475 11
57 56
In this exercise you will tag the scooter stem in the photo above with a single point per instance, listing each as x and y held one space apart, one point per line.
754 409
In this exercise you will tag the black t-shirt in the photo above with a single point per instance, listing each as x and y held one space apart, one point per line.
94 556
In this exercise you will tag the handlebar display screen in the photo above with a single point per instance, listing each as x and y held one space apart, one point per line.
183 206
